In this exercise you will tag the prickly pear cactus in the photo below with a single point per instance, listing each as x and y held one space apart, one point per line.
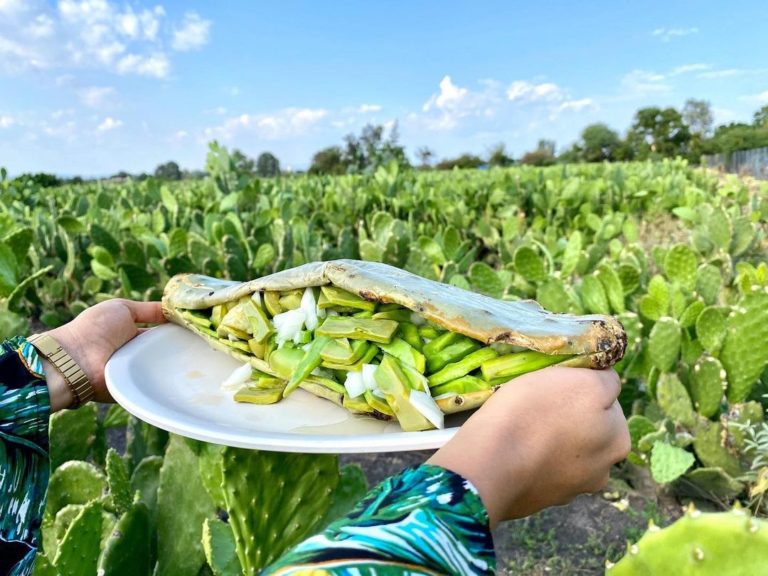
680 266
127 550
180 551
674 401
745 354
219 547
72 434
664 343
707 386
274 500
614 290
700 544
529 264
74 483
710 329
120 494
78 552
594 297
712 447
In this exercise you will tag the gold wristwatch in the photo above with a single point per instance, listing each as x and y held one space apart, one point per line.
73 375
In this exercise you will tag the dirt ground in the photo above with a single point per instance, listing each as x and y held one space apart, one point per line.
569 540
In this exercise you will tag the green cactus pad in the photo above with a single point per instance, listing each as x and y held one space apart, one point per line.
639 426
701 544
78 553
669 462
146 479
745 353
664 343
72 434
529 264
737 417
614 289
43 566
680 266
209 457
629 275
707 386
485 279
74 483
691 313
709 283
351 488
180 551
711 329
553 296
711 448
219 547
713 483
690 349
127 550
719 229
268 517
674 400
120 493
571 254
593 296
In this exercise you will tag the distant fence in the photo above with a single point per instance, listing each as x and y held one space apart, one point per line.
750 162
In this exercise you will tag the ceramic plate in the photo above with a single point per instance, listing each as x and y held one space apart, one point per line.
171 378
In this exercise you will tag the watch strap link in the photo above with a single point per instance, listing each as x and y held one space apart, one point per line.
75 378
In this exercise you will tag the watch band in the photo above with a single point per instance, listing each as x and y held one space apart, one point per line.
73 375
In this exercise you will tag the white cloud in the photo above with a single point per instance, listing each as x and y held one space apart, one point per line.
572 106
285 123
96 34
156 65
688 68
522 91
97 96
731 73
643 82
6 121
667 34
368 108
757 99
192 34
108 124
452 103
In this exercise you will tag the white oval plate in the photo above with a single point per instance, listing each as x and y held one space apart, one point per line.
170 378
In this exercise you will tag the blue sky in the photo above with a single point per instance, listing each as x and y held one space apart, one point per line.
95 86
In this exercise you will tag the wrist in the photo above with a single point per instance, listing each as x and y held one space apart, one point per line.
68 384
58 391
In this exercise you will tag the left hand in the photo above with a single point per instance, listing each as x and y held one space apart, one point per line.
92 338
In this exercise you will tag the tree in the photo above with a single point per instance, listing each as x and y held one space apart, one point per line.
761 117
544 155
242 163
328 161
267 165
372 149
463 162
599 143
697 114
425 155
168 171
498 156
658 132
738 136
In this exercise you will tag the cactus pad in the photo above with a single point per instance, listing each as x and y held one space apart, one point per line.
180 551
745 353
709 283
593 296
711 448
78 552
72 434
614 289
146 479
714 483
74 483
127 550
674 400
669 462
120 494
529 264
680 266
274 500
691 313
664 344
629 276
705 544
710 329
639 426
219 547
708 386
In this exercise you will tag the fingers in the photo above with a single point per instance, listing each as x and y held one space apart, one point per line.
145 312
610 385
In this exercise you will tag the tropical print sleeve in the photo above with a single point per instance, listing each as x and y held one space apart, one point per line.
425 520
24 468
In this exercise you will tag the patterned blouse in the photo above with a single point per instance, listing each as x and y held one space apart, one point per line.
425 520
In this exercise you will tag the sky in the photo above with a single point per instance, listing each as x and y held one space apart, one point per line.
93 87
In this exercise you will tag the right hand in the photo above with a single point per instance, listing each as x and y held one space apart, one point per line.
541 440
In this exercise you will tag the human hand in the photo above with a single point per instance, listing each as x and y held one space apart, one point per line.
92 338
541 440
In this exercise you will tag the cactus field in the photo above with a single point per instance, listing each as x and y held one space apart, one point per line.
678 254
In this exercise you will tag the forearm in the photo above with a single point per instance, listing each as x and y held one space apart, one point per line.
426 519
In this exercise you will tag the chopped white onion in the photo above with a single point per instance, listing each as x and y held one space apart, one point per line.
446 395
256 297
309 306
239 376
331 312
354 384
232 337
368 379
428 408
378 393
306 347
417 319
288 325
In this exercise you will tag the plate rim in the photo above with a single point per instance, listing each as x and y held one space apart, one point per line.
269 441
